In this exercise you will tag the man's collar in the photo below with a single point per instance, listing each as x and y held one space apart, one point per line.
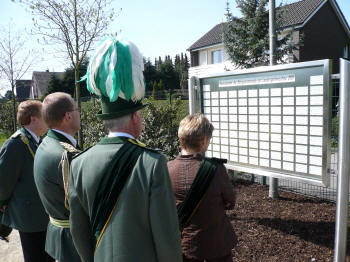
116 134
37 139
68 136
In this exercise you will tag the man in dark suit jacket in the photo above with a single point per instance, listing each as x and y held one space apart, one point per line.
61 115
21 205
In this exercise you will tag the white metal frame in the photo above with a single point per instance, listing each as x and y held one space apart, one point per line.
195 88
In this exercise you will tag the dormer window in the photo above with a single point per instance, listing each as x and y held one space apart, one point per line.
216 56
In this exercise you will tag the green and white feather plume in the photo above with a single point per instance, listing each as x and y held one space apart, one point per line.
116 70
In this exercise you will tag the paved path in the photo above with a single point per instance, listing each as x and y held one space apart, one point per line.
11 251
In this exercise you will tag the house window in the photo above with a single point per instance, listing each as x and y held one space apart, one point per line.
203 58
216 57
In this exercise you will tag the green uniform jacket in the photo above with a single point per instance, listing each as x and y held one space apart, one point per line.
144 226
24 211
49 181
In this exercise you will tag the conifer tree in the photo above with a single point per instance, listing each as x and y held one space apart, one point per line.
54 85
160 85
154 89
170 79
246 39
177 63
173 75
186 62
156 63
150 74
159 64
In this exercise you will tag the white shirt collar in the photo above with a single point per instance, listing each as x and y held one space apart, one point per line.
68 136
115 134
37 139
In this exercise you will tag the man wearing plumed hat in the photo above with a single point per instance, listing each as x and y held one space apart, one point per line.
121 199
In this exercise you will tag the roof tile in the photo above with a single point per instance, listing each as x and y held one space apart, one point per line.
297 13
214 36
293 14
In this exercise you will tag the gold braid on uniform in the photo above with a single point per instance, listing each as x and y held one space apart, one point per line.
136 142
65 163
25 141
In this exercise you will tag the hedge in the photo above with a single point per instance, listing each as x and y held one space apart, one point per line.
161 124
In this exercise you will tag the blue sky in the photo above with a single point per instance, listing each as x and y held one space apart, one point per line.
157 27
170 27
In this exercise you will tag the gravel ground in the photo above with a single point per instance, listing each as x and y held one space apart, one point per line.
11 251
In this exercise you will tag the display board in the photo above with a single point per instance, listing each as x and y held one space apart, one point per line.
271 120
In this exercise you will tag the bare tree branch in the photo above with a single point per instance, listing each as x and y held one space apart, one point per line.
73 25
15 59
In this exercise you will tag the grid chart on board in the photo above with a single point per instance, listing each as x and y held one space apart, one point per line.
270 127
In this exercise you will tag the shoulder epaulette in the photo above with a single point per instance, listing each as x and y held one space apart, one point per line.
68 153
81 152
140 144
137 142
69 147
16 134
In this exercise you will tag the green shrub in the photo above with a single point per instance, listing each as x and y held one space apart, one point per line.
161 124
6 118
93 128
334 132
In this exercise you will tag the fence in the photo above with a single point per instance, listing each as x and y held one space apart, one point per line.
307 189
164 94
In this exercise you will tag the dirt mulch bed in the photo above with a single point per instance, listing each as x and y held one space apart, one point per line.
291 228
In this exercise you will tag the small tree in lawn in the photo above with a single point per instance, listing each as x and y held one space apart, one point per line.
15 61
73 25
246 39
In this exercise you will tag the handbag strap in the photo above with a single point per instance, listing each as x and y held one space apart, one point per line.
188 207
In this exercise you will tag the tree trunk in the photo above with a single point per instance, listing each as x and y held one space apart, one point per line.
77 98
14 122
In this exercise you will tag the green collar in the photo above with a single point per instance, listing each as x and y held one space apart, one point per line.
120 140
114 140
55 135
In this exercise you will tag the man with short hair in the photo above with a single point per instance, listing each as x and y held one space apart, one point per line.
19 199
62 117
121 199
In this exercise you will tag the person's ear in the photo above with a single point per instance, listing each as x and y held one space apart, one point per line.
32 119
67 116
